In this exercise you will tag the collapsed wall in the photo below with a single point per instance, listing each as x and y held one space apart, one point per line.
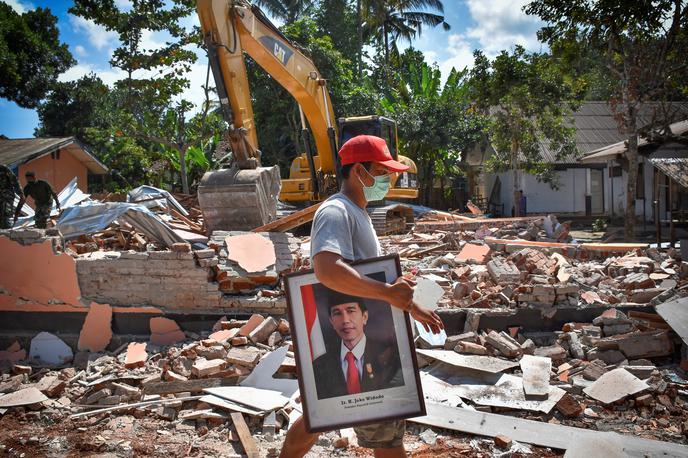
178 281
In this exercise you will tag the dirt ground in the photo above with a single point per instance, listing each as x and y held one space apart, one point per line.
25 435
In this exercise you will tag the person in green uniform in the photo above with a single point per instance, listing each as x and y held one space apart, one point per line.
9 186
43 195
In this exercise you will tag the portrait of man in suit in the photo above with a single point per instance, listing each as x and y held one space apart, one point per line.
356 362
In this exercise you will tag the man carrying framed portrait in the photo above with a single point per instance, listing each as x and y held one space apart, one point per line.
357 359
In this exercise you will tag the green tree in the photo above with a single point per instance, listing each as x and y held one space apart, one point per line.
31 55
527 101
276 113
287 10
152 109
643 44
436 124
388 21
72 107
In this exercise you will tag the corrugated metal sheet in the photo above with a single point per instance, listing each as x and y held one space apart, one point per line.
676 168
610 151
596 128
21 150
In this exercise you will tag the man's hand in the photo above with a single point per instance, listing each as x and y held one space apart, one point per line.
400 294
428 318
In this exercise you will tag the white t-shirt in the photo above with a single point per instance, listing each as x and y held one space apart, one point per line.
342 227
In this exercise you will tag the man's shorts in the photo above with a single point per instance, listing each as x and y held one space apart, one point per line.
389 434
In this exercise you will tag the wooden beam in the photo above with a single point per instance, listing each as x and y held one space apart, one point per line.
288 222
250 446
193 386
537 432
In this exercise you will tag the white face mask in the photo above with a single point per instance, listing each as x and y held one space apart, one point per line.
378 190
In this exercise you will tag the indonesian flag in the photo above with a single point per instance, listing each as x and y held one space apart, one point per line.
316 341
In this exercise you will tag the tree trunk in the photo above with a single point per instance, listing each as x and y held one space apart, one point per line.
360 38
182 168
514 168
632 156
384 32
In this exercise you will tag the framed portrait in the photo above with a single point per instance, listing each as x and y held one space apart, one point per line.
355 356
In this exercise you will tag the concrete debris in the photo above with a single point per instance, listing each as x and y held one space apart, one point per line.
615 385
514 299
536 373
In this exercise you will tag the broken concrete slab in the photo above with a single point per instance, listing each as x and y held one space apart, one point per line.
136 355
496 390
253 252
96 332
486 364
262 374
229 405
538 432
474 252
428 293
675 313
264 400
25 397
536 373
165 331
615 385
50 349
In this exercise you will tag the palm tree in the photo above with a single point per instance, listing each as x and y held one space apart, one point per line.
286 10
388 21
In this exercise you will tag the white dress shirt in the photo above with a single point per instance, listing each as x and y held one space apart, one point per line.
358 351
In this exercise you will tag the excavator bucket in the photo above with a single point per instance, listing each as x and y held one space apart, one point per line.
236 199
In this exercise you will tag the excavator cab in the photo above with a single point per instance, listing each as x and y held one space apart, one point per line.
405 184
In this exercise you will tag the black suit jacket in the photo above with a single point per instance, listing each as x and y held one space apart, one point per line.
382 360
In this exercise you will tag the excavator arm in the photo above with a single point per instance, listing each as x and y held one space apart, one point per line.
231 28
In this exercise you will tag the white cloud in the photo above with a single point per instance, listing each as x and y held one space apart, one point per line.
19 6
461 55
80 51
501 24
97 35
109 76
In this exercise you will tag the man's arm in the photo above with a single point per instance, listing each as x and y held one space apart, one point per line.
57 201
333 272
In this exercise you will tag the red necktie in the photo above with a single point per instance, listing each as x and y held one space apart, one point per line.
353 384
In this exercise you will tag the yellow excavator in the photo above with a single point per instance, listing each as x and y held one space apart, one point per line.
244 196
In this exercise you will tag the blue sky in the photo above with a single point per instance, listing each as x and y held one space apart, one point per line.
475 24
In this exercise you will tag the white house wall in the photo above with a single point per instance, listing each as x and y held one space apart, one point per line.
570 197
541 198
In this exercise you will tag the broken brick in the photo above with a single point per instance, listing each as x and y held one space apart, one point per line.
243 356
261 333
250 325
205 368
569 406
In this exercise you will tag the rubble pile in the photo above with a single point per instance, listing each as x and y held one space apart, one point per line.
192 385
507 273
614 373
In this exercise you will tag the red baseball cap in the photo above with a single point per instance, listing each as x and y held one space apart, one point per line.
369 148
